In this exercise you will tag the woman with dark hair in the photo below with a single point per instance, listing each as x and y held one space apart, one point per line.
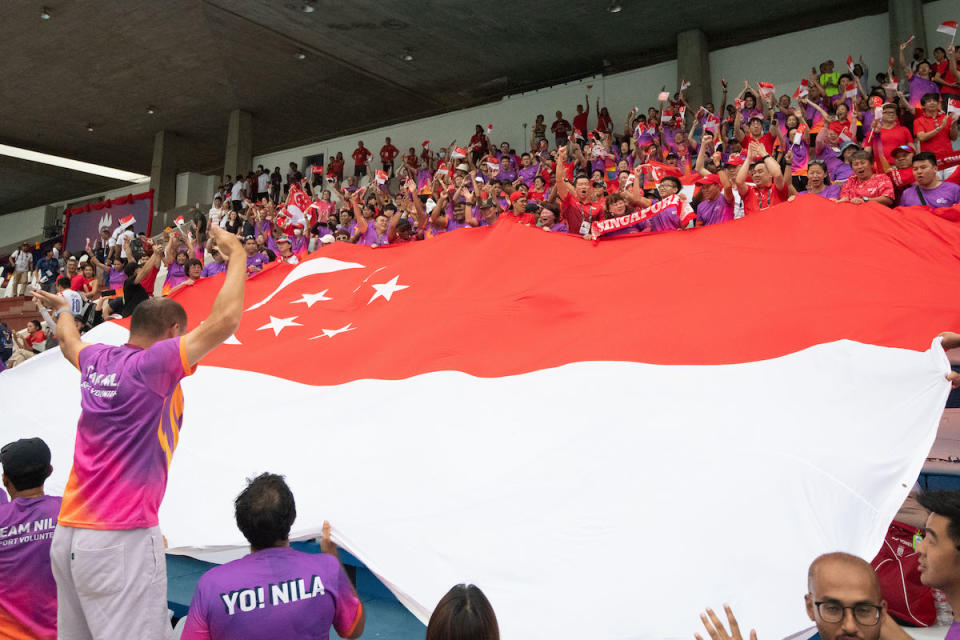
818 181
464 613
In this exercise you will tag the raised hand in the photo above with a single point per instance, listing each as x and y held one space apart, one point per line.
717 631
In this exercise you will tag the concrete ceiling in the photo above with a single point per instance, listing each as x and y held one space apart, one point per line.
103 62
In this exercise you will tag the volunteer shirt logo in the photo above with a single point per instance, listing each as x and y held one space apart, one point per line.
102 385
273 595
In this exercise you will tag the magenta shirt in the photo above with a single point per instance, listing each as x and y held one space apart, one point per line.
116 279
715 211
271 594
29 593
212 268
175 275
131 412
668 219
919 87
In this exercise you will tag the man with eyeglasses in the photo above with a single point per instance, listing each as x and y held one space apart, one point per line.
843 600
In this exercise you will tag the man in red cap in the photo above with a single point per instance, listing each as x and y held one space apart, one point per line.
517 212
717 203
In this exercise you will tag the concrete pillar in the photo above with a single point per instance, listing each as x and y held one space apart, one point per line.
906 19
239 154
693 65
163 173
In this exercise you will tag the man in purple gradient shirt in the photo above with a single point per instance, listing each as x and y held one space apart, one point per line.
275 591
28 592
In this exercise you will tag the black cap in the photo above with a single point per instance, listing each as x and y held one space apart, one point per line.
532 207
25 456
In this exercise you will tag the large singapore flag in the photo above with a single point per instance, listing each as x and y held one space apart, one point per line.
605 438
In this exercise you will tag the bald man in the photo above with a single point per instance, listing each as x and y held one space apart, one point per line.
843 600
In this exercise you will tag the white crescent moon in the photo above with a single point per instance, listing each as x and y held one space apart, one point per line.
308 268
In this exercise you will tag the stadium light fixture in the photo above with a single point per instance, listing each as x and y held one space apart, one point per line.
300 54
45 14
308 7
614 7
73 165
152 110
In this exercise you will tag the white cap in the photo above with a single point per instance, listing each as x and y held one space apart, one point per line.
430 205
327 239
463 167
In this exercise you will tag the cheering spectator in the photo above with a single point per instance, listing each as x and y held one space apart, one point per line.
21 261
255 258
48 268
865 185
464 613
109 512
360 157
28 593
818 183
74 299
303 594
388 153
770 186
580 120
716 204
28 345
934 129
215 266
560 129
929 190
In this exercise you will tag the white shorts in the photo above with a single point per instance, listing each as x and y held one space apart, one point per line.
110 584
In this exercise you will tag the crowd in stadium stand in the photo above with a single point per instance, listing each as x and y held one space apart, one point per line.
671 168
840 135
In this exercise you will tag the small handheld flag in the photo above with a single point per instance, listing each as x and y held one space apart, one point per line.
850 63
317 169
459 152
381 176
663 96
949 27
766 88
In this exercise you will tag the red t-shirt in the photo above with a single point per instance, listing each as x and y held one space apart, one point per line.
940 144
580 122
892 138
523 218
335 167
78 282
37 337
388 152
410 160
560 128
944 70
149 282
360 155
478 141
766 140
574 212
760 198
877 185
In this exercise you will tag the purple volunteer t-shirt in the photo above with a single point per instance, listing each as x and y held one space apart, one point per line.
257 261
946 194
831 191
274 593
715 211
28 599
527 174
176 273
668 219
212 268
953 633
837 169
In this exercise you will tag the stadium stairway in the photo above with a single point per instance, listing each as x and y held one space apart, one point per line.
386 617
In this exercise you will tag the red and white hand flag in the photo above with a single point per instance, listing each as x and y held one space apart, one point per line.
126 221
684 85
297 203
489 130
318 334
179 222
664 96
850 63
317 168
493 164
425 144
948 27
953 108
458 152
851 92
738 103
766 88
381 176
798 134
666 115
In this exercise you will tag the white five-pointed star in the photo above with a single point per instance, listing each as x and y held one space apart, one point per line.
279 324
387 289
329 333
310 298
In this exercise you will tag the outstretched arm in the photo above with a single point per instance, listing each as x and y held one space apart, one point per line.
227 308
66 330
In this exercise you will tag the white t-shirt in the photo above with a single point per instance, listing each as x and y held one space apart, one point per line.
262 181
74 298
215 214
236 190
22 260
118 238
